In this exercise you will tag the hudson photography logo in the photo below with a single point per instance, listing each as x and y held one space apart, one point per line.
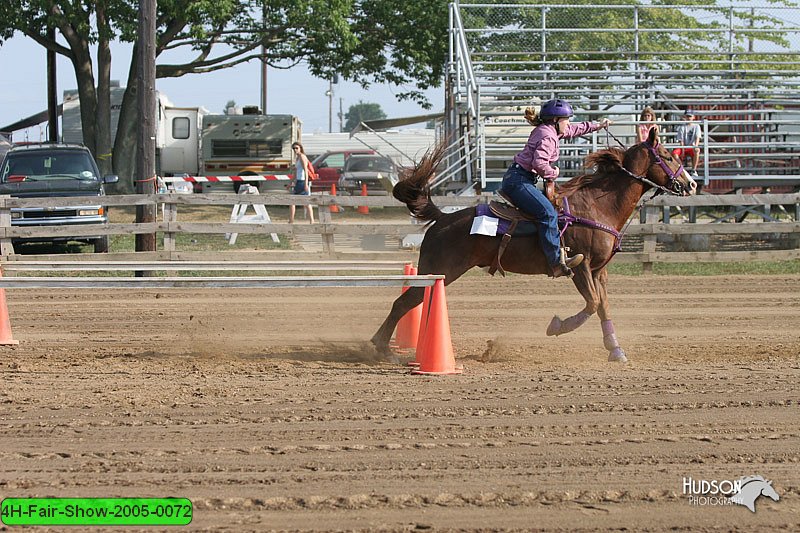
743 491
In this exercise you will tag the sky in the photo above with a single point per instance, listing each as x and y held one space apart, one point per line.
23 89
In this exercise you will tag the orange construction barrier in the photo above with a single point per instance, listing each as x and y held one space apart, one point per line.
6 337
408 326
436 346
363 209
334 208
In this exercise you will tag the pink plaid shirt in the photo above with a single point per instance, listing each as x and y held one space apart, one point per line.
541 150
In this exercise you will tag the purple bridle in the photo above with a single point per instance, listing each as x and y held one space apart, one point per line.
673 186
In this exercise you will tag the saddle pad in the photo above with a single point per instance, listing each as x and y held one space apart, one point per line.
484 218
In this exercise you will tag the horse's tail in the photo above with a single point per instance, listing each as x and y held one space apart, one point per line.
414 190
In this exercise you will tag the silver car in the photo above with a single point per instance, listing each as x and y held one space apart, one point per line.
378 173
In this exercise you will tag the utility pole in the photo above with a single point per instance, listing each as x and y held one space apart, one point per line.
264 63
263 80
146 128
52 91
329 94
341 115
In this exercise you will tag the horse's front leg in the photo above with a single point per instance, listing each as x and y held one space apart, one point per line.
615 353
585 284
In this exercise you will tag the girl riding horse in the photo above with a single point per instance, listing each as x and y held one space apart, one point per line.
600 205
536 162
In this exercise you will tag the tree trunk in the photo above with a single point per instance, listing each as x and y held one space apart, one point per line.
82 62
103 94
124 157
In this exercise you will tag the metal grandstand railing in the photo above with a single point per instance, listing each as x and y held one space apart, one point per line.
737 67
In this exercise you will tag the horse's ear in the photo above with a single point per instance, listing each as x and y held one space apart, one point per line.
652 137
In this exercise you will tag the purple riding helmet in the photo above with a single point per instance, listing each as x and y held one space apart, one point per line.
556 109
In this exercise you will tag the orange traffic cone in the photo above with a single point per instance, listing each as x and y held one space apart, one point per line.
6 337
437 346
408 327
363 209
334 208
423 323
402 326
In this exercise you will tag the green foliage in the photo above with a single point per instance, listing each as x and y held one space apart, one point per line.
362 111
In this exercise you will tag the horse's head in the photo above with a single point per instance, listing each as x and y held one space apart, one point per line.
651 163
768 491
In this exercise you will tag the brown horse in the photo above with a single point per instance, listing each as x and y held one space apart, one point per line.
600 204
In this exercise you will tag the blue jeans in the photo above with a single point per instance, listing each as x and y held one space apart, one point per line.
519 186
299 187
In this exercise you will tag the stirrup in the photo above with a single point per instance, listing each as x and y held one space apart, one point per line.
570 262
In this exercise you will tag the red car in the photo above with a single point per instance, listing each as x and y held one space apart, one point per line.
329 167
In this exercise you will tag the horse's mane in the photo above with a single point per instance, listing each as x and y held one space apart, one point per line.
606 163
748 479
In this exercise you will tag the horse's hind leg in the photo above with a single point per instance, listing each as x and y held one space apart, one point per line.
402 305
428 264
584 282
615 353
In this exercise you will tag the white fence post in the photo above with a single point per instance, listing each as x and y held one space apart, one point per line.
6 248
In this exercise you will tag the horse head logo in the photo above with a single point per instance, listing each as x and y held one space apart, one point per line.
751 488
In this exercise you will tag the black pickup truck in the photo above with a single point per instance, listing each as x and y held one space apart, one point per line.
55 170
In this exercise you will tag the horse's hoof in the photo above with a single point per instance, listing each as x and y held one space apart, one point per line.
617 356
392 358
384 353
555 327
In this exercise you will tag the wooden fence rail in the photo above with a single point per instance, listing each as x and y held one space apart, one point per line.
654 221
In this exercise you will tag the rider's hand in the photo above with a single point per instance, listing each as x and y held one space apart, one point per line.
605 123
550 189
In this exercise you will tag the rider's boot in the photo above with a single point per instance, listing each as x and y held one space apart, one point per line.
565 266
561 269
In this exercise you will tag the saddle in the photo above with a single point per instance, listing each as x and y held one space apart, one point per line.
508 211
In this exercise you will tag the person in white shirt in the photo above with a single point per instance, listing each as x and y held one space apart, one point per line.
688 135
302 181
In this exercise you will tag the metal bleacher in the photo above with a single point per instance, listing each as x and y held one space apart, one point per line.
737 67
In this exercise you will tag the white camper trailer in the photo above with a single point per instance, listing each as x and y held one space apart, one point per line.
178 140
193 142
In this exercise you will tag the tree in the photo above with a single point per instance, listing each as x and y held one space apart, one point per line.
360 112
366 41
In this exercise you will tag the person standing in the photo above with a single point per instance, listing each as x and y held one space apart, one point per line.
646 122
688 135
536 162
302 181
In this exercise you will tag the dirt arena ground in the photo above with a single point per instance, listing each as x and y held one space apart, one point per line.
266 410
